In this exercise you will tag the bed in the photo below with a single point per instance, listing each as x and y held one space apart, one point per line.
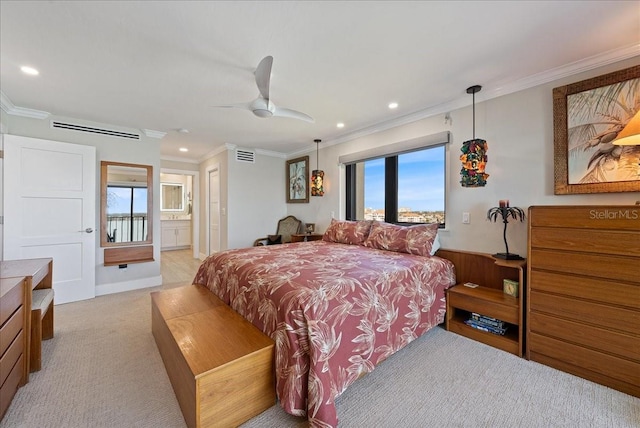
335 308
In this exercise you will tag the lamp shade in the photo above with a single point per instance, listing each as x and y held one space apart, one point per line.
317 183
630 135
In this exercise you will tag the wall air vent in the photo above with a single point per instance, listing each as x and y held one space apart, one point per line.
92 130
248 156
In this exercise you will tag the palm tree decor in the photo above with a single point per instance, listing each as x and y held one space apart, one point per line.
505 211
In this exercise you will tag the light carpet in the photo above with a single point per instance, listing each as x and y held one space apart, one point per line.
103 369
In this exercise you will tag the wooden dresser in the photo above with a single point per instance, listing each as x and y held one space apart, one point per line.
583 294
13 334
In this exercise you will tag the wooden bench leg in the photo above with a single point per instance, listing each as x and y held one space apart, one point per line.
35 355
47 324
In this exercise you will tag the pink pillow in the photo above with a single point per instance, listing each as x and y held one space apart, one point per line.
347 232
416 239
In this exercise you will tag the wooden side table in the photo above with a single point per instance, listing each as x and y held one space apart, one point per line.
487 298
305 237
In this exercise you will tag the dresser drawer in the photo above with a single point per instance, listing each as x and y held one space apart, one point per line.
10 386
9 358
583 359
600 339
10 302
587 288
583 311
10 329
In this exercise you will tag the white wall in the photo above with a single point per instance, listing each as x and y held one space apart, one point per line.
146 151
256 198
519 130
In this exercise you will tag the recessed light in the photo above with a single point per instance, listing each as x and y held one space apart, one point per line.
183 130
184 149
393 105
29 70
340 125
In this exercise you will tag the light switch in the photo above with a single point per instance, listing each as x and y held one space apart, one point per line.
465 218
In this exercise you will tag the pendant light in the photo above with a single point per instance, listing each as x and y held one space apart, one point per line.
474 157
317 175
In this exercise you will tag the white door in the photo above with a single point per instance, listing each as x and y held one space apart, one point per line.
49 208
214 211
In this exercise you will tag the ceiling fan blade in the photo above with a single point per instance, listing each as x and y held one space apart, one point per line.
263 76
285 112
244 106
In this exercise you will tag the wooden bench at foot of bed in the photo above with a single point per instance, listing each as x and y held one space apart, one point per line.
220 365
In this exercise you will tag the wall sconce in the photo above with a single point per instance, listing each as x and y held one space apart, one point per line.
317 175
474 158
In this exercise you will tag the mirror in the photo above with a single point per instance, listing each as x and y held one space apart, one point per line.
171 197
126 204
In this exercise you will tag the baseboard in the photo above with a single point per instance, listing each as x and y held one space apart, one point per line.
119 287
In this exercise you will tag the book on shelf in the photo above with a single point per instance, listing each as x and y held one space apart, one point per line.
483 319
488 324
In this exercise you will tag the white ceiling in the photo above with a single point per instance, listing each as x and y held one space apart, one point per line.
163 65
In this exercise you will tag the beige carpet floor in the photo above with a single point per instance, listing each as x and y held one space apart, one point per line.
103 369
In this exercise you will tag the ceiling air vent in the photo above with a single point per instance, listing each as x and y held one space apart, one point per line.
248 156
92 130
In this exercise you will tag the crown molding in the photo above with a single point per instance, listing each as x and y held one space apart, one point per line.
271 153
216 151
567 70
154 134
9 108
179 159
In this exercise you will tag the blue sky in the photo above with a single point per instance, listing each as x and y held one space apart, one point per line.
420 181
119 200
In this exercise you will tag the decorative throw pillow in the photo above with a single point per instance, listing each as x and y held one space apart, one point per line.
347 232
416 239
274 239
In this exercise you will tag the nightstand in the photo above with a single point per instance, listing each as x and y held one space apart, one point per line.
304 237
487 299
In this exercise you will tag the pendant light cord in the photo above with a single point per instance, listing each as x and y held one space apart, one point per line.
472 90
317 153
474 115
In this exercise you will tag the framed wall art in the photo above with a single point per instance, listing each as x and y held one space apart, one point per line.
297 173
587 117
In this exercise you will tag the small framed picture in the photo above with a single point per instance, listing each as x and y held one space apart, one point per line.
297 174
510 287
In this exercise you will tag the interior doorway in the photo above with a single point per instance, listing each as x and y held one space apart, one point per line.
190 209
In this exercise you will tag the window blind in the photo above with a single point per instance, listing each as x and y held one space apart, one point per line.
398 148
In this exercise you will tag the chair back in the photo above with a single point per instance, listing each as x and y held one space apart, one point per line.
287 227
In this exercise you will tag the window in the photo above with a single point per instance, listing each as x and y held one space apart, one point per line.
399 188
126 213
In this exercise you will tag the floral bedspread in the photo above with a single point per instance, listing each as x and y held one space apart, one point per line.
335 311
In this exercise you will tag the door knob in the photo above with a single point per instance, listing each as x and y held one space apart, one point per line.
88 230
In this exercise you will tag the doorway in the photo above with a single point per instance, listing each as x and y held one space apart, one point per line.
190 208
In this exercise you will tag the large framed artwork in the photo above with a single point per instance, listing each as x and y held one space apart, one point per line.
587 117
297 174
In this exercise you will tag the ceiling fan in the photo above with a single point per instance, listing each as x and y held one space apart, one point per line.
263 106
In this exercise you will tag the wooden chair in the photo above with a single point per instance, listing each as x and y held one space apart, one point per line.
286 227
